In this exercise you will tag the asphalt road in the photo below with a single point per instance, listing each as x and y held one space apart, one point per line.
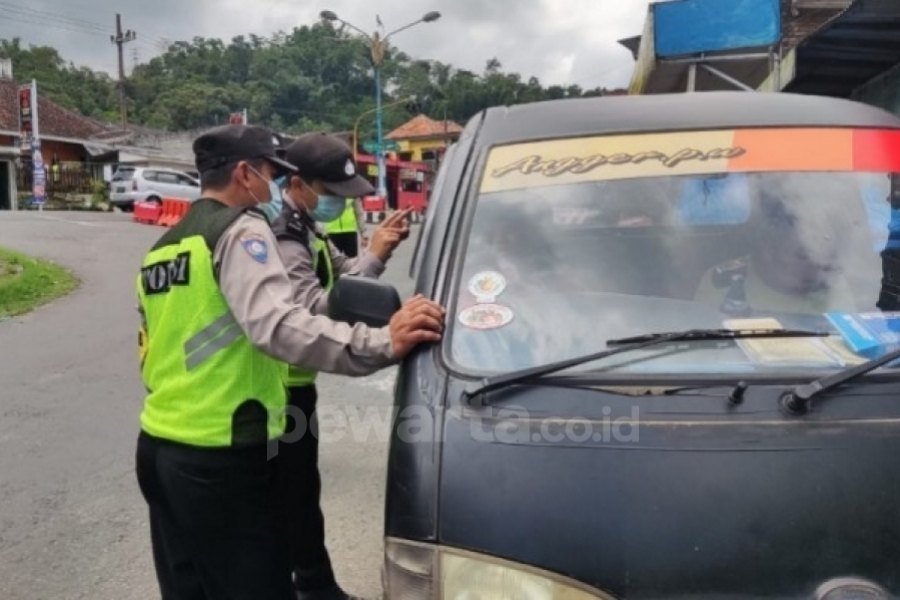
72 522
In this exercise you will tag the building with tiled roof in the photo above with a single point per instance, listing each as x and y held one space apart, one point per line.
423 138
56 122
64 135
77 150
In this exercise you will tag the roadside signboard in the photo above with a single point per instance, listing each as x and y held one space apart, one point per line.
26 118
30 141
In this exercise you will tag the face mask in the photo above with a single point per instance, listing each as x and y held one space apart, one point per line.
272 207
328 209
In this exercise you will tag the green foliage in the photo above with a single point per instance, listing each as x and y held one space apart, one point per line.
80 89
99 193
26 283
314 77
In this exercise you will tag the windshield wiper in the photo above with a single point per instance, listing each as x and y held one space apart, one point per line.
797 401
718 334
496 382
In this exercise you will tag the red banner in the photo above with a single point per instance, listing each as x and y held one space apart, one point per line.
26 118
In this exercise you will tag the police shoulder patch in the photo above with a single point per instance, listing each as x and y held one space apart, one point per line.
257 248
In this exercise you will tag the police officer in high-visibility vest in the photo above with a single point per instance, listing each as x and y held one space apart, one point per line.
348 228
218 325
326 174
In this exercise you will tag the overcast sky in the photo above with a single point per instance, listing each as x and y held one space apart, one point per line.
559 41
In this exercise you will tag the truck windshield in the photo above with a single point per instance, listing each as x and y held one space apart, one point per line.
562 257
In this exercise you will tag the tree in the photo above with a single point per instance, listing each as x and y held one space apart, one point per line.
311 77
90 93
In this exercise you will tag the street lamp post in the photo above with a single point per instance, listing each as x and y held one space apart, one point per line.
369 112
379 136
377 46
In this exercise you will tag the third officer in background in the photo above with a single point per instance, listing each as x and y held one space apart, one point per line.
349 229
326 175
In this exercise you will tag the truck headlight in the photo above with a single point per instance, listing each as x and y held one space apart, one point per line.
420 571
850 588
410 571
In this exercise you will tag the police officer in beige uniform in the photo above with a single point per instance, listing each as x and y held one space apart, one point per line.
219 324
326 175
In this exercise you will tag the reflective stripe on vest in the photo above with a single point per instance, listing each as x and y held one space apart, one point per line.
347 222
208 385
297 377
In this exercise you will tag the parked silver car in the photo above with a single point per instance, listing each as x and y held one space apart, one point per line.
132 184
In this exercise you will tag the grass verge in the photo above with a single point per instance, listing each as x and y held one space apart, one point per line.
26 283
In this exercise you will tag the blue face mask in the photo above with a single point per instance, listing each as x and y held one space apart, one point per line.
328 209
272 208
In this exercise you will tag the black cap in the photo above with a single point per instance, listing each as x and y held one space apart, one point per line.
326 158
232 143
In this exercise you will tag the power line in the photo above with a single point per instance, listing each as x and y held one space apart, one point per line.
157 38
149 49
84 25
53 16
50 25
48 16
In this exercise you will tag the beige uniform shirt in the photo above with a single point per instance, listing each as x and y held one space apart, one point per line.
260 295
308 290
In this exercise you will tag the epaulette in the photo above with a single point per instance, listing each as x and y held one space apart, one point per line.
292 225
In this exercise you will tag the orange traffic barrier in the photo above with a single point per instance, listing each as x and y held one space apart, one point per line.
416 202
167 216
372 205
179 209
173 209
146 212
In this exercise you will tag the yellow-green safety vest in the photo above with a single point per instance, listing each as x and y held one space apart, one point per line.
322 266
346 223
207 384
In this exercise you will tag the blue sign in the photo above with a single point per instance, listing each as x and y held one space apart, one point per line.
686 27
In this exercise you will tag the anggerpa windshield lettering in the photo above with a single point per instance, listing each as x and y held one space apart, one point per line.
537 164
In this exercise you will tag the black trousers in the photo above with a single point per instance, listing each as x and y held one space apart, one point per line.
301 489
347 243
215 522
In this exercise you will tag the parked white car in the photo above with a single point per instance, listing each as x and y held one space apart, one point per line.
134 184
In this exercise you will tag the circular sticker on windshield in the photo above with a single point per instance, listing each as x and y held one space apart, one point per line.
486 286
486 316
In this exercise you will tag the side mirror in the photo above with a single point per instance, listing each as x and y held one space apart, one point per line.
361 300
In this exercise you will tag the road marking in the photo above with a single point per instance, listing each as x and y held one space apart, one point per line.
82 223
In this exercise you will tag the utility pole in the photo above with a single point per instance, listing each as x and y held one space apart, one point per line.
377 45
120 39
